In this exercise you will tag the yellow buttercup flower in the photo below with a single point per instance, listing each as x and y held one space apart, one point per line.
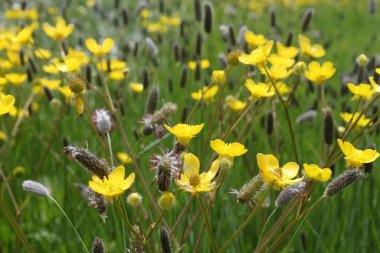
69 65
123 158
258 90
99 50
136 87
374 85
60 31
356 157
284 51
273 174
278 60
281 87
319 74
24 35
308 49
315 172
204 64
362 122
235 104
42 53
112 185
6 103
206 93
254 40
276 72
218 76
184 132
193 182
362 90
16 78
258 56
227 150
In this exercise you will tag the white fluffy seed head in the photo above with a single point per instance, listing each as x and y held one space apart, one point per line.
102 121
35 188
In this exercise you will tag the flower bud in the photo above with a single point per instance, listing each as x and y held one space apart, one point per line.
134 199
167 200
362 60
299 68
218 76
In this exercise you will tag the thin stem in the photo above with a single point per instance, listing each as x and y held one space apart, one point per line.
265 225
110 147
154 226
71 224
214 249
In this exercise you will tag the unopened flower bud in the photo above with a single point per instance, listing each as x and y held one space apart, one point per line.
167 200
233 58
218 76
362 60
76 84
299 68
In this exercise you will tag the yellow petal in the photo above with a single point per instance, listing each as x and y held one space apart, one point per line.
128 182
190 164
290 170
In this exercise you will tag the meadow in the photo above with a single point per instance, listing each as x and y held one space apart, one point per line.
189 126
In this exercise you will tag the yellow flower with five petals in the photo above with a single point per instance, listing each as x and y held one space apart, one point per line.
99 50
315 172
184 132
356 157
318 73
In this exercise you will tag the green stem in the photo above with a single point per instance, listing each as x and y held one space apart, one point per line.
154 226
214 249
110 147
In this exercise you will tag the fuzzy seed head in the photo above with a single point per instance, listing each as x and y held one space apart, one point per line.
342 181
35 188
134 199
165 240
98 246
102 120
76 84
250 189
292 191
152 100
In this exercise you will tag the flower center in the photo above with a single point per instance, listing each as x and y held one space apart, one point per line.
194 180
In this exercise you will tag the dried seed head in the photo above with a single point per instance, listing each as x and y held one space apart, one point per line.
76 84
88 74
208 17
329 128
102 121
250 189
145 77
152 100
32 64
292 191
98 201
176 52
136 242
165 240
125 16
273 19
342 181
231 36
309 13
198 45
362 60
270 122
89 161
183 79
372 6
167 167
197 10
134 199
233 58
35 188
197 72
241 36
98 246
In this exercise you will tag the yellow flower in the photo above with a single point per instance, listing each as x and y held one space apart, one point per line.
184 132
257 56
258 90
123 158
99 50
309 50
24 35
22 14
362 90
272 173
69 65
281 87
60 31
6 103
112 185
166 201
136 87
15 78
254 40
206 93
362 122
284 51
235 104
278 60
374 85
193 182
111 65
315 172
319 74
51 84
3 136
218 76
42 53
356 157
205 64
276 72
227 150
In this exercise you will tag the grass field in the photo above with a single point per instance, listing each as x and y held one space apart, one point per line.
153 43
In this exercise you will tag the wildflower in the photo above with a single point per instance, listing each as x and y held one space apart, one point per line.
69 65
184 132
113 184
235 104
166 201
6 103
374 85
282 88
136 87
51 84
16 78
258 90
233 58
362 122
310 50
134 199
362 90
24 36
204 64
284 51
313 171
123 158
102 121
277 60
99 50
60 31
276 72
42 53
319 74
227 150
257 56
193 182
356 157
206 93
254 40
272 173
218 76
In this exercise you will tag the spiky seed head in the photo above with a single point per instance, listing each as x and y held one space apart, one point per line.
342 181
249 189
98 246
292 191
165 240
35 188
208 17
76 84
152 100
